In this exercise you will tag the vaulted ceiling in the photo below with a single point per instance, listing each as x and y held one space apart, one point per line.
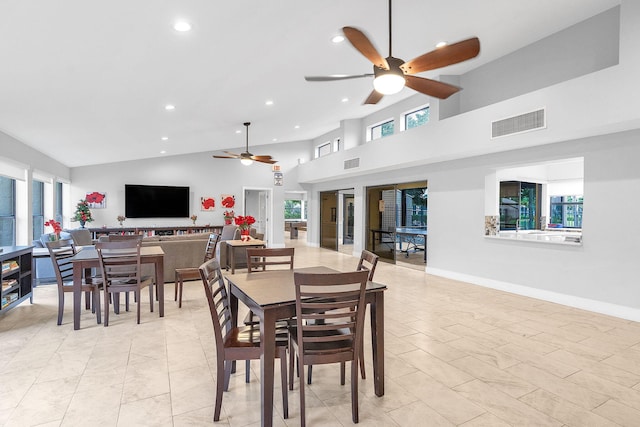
87 82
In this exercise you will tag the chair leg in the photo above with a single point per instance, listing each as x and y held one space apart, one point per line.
228 364
342 374
96 304
283 382
309 374
175 288
291 357
137 294
354 390
179 293
247 371
116 302
60 305
361 362
220 387
151 297
106 306
87 300
303 420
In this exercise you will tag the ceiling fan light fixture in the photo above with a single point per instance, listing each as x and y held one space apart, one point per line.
388 83
246 162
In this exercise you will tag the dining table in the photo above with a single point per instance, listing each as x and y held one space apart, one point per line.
87 259
271 296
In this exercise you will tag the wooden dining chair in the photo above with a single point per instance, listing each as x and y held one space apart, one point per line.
193 273
258 259
119 238
233 343
121 271
330 310
368 261
61 252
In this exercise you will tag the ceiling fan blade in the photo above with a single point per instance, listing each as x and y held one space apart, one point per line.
232 154
335 77
361 42
431 87
373 98
224 157
262 157
269 161
441 57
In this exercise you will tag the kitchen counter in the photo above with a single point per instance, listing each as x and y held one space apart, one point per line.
561 237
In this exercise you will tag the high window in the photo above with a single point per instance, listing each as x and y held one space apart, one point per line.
59 202
416 118
323 149
380 130
38 209
7 211
566 212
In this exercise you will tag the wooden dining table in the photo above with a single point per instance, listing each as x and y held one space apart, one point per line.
87 258
271 296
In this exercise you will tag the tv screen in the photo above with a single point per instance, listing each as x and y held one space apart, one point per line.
156 201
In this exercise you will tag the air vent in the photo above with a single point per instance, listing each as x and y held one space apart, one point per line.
519 124
352 163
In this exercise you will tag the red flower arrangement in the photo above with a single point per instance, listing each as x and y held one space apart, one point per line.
228 217
244 222
57 228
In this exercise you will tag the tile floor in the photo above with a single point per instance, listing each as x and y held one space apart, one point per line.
456 354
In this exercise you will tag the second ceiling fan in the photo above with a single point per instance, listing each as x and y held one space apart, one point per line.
392 74
246 157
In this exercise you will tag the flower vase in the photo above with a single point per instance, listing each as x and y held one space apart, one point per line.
244 235
82 223
227 221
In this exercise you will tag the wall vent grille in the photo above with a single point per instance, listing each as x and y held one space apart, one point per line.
518 124
352 163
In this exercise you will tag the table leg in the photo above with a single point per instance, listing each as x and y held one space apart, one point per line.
268 354
377 340
77 293
233 260
160 284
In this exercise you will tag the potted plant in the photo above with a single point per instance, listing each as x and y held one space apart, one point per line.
82 213
244 223
57 228
228 217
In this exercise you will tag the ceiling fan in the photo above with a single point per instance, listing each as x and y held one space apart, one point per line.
246 157
392 74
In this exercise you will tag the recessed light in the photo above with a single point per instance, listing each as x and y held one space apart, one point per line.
163 152
269 102
337 38
165 138
274 139
296 127
345 100
169 107
238 131
182 26
441 44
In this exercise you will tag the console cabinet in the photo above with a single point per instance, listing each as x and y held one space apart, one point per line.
17 276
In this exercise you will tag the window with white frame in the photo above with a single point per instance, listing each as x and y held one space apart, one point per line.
337 145
415 118
323 149
7 211
380 130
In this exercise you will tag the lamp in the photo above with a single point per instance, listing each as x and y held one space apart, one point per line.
246 162
388 82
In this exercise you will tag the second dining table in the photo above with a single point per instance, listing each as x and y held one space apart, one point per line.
87 258
271 296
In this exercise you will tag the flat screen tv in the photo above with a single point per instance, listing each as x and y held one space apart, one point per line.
156 201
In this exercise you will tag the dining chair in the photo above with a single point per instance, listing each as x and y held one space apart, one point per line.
368 261
61 252
260 258
193 273
330 310
121 270
235 343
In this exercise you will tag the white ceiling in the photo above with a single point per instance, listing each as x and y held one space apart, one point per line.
85 82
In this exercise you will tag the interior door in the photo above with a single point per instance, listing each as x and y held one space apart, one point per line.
329 220
256 203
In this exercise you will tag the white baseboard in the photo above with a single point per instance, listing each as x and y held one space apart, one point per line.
601 307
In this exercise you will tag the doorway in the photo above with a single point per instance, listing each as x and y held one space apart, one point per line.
257 203
329 220
397 223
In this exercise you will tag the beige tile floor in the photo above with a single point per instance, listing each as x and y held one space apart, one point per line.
456 354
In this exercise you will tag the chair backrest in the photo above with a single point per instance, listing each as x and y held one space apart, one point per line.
228 232
212 243
330 315
121 237
262 257
368 261
81 237
61 252
218 298
120 261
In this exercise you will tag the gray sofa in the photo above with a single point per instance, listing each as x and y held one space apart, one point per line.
180 251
